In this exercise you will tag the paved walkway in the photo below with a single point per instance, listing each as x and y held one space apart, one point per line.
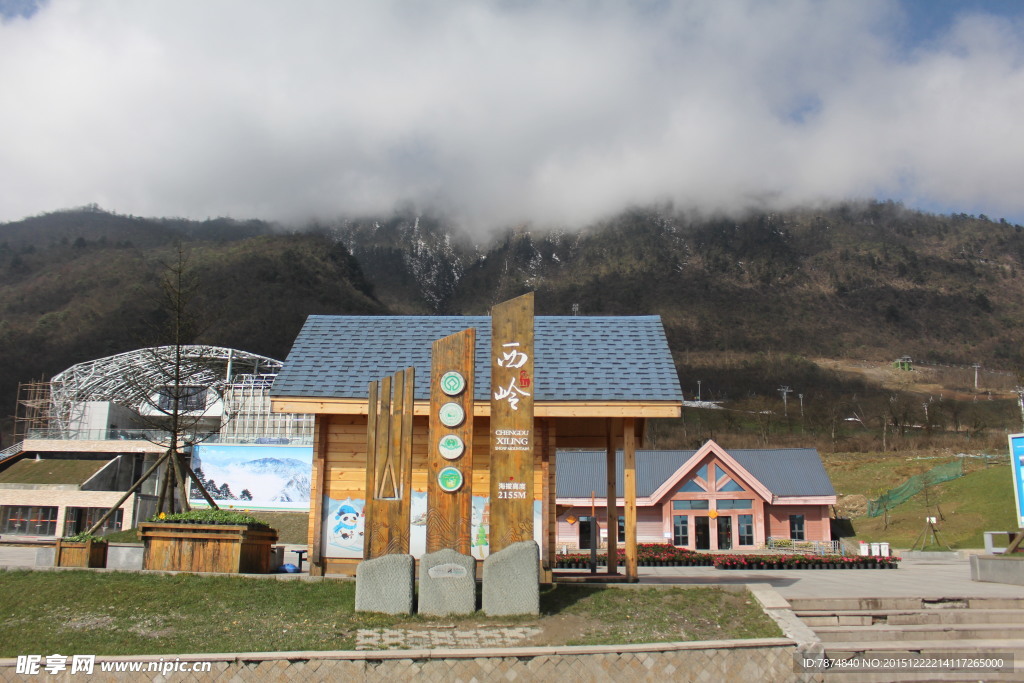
940 578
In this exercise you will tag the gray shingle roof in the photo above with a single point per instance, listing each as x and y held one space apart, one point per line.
576 358
783 471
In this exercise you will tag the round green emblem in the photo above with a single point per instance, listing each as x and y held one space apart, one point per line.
452 383
450 447
451 414
449 479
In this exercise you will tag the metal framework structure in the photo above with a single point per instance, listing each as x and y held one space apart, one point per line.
129 379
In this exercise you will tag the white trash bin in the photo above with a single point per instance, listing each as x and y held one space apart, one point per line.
865 549
883 549
876 549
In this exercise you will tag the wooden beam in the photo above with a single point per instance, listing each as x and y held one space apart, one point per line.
582 409
613 508
629 485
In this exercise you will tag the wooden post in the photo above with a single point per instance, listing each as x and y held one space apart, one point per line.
449 513
389 467
317 490
629 485
548 507
612 499
512 429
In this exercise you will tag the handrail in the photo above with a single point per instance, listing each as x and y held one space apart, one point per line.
12 451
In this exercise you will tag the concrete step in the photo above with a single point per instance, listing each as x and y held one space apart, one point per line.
891 617
926 632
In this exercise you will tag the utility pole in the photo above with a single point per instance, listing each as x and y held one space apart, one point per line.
698 391
976 366
784 391
1020 400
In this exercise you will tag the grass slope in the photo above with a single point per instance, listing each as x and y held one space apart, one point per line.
982 500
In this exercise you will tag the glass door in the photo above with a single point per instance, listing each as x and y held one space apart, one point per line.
586 532
725 532
702 532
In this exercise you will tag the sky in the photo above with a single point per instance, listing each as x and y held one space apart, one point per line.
508 111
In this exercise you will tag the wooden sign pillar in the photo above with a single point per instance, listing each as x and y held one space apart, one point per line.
450 449
512 433
389 465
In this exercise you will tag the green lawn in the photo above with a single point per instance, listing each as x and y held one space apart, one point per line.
130 613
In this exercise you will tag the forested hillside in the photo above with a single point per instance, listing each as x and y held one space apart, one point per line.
861 280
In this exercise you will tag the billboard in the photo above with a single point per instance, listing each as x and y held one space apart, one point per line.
253 477
1017 466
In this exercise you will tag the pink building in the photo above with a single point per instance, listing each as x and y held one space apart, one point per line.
708 499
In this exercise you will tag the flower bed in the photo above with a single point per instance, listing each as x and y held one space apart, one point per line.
207 541
648 555
804 562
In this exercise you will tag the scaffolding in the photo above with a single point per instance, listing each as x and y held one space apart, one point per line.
33 408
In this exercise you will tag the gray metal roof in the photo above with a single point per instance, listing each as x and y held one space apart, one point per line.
783 471
575 358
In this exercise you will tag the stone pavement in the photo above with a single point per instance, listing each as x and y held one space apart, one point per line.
444 636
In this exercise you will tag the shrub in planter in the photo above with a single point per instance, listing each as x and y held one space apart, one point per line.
207 540
81 550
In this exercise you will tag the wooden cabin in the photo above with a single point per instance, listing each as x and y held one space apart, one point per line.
597 380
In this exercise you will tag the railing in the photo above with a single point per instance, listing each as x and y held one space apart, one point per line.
11 451
158 436
97 434
815 547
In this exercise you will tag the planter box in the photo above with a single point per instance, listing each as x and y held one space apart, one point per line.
79 554
222 548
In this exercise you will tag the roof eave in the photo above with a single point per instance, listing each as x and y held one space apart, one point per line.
358 406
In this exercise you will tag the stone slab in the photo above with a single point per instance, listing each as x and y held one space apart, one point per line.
997 569
44 556
385 584
447 583
124 556
512 580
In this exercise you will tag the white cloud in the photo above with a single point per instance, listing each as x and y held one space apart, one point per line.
500 111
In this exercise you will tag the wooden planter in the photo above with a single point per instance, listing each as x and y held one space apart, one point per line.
224 548
90 554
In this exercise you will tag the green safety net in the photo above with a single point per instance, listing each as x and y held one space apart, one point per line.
914 485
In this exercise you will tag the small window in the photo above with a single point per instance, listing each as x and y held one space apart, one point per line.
746 523
622 529
680 530
689 505
796 527
731 486
692 487
189 398
735 504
